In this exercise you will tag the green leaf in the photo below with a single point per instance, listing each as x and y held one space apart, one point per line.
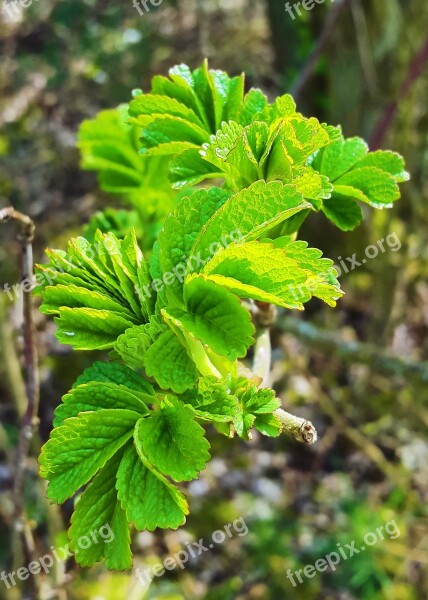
168 362
322 276
260 402
243 423
302 137
96 289
97 510
133 344
358 175
258 271
109 146
119 222
343 212
233 106
256 410
385 160
179 233
340 157
89 329
251 212
73 296
268 425
284 106
80 447
216 318
286 275
213 400
211 92
254 102
111 372
149 499
313 186
189 168
153 104
98 395
173 441
375 187
236 152
173 133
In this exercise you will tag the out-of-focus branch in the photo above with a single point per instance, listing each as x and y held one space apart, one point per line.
10 367
329 28
416 68
29 421
354 351
364 50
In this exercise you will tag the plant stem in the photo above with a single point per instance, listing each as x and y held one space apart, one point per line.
29 421
263 357
298 428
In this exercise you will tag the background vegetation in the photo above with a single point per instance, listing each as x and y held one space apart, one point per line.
359 372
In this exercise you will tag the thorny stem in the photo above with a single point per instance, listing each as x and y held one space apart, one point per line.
29 421
298 428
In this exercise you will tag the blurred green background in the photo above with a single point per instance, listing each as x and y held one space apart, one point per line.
359 372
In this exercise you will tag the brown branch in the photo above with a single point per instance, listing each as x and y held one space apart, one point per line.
29 421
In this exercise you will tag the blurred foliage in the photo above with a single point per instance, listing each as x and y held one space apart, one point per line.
64 61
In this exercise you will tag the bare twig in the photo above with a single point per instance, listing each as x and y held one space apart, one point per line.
29 421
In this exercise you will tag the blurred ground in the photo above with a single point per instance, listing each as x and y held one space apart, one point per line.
359 372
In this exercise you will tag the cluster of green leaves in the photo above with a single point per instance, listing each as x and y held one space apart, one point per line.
211 130
109 146
180 319
175 323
